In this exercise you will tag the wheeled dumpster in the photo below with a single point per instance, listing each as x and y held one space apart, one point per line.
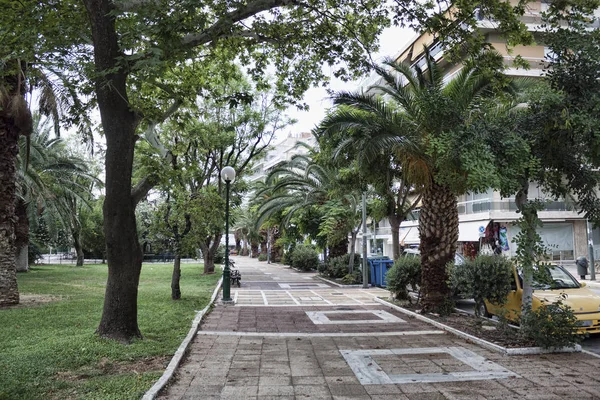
379 267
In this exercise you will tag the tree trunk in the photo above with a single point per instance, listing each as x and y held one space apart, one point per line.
78 247
175 288
208 251
528 228
22 236
395 228
276 249
119 123
254 249
22 263
339 249
14 115
245 248
354 234
438 231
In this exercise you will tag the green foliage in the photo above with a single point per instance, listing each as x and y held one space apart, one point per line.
220 255
485 277
92 230
337 267
405 272
352 279
34 253
304 258
262 257
552 325
49 349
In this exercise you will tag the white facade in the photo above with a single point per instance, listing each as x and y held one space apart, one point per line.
280 152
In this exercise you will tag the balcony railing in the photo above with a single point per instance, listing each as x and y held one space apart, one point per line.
508 205
485 205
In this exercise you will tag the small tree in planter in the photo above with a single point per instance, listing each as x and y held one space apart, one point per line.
485 277
406 271
304 258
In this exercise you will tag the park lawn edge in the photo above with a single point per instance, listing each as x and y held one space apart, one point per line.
50 350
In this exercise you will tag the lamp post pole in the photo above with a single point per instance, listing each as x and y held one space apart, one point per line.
365 271
228 175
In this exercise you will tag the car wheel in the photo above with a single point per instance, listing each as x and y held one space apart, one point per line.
483 312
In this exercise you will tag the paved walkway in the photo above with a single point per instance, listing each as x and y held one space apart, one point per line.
292 336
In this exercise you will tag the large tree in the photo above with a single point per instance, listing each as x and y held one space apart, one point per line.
422 116
136 42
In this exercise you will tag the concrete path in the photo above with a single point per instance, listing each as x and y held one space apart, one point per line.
292 336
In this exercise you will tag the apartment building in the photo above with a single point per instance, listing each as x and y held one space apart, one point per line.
487 217
280 152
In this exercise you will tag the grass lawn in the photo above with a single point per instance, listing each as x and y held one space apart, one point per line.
48 349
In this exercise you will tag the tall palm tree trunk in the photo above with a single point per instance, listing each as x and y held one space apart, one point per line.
9 135
15 120
22 236
438 230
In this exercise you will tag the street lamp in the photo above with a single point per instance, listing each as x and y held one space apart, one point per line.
227 176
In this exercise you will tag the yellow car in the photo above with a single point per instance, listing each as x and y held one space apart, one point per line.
584 302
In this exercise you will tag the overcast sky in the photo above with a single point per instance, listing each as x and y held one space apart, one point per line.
391 41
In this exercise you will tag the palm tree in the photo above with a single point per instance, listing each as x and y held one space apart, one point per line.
51 184
302 183
420 114
15 120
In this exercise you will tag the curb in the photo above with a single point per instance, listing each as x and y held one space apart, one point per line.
178 356
520 351
338 284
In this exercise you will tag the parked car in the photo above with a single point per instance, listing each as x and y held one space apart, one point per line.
459 259
584 302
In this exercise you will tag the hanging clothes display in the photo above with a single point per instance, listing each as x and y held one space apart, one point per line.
503 238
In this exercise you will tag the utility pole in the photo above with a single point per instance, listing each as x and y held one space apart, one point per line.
365 272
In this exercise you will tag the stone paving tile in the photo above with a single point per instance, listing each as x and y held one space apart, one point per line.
310 367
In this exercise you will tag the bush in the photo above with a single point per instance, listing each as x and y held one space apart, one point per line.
262 257
337 267
552 325
34 253
485 277
353 279
220 255
406 271
304 258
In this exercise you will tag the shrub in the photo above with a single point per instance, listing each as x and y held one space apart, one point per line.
552 325
304 258
262 257
220 255
337 267
34 253
485 277
352 279
406 271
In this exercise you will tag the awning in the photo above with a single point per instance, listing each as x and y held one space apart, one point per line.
409 235
469 231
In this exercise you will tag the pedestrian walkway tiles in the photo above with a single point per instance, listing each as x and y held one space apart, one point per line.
353 317
306 297
393 366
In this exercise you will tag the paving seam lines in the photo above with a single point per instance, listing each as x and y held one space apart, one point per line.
182 349
264 296
323 298
293 298
353 299
304 305
321 334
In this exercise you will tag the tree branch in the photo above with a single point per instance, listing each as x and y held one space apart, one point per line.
223 26
141 189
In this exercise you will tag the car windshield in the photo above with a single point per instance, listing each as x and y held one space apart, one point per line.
548 277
